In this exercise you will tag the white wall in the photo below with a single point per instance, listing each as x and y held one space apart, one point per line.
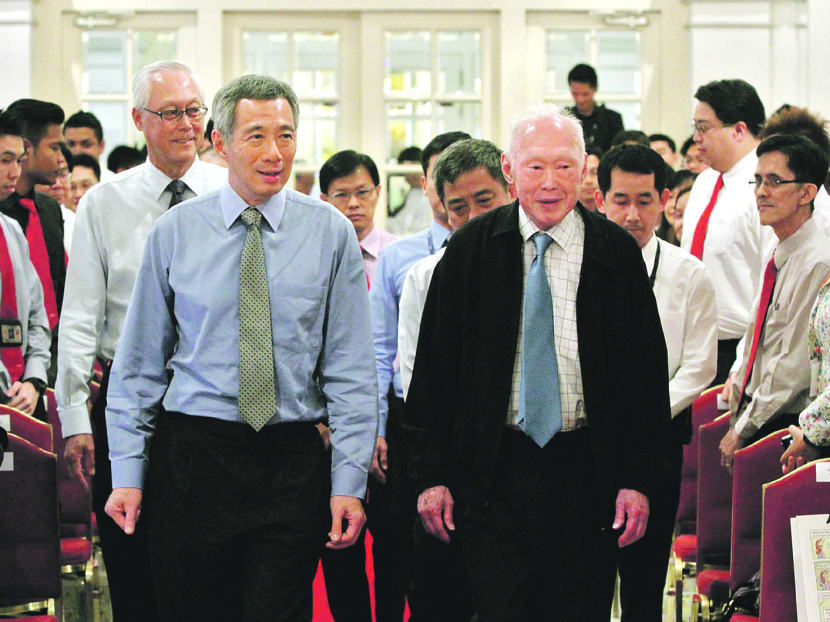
15 50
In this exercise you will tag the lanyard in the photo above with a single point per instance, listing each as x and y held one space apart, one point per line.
430 243
653 275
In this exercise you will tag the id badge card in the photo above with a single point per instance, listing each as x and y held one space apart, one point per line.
11 333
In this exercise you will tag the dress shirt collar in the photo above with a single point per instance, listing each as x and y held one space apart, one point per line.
159 181
233 205
791 244
562 233
649 252
742 170
372 243
439 234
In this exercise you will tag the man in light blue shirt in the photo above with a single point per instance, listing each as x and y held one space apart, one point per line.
222 493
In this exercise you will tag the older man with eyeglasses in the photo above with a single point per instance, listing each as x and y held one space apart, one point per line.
113 221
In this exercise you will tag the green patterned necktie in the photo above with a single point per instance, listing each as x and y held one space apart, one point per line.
257 389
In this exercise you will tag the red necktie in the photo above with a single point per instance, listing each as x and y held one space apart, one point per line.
12 357
40 259
703 224
760 318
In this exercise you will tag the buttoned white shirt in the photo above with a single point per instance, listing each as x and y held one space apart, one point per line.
821 210
736 242
411 308
68 226
689 313
563 263
111 227
780 380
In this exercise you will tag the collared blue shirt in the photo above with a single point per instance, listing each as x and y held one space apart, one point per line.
185 310
384 298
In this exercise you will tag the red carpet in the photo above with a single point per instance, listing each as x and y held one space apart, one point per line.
321 603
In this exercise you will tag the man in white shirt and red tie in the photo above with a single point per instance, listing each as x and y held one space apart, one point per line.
721 224
773 383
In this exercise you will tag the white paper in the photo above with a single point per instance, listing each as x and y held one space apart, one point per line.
8 462
823 472
811 566
6 422
721 404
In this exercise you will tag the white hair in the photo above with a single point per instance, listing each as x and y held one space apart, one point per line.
546 111
142 80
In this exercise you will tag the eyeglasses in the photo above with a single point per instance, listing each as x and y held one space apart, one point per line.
343 197
174 114
772 182
702 128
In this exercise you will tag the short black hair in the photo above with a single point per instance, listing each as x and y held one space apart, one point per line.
734 101
84 159
687 144
664 138
409 154
805 159
638 136
124 157
680 177
794 120
583 73
35 117
344 163
209 131
632 159
67 155
85 119
465 156
438 144
9 126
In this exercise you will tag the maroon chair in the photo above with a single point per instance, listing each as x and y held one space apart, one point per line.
94 388
29 542
753 467
794 494
75 513
714 515
33 430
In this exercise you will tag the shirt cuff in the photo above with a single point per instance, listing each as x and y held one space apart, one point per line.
345 481
35 369
75 420
744 427
128 472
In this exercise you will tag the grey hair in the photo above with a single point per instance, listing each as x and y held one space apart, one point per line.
464 156
550 111
249 87
142 80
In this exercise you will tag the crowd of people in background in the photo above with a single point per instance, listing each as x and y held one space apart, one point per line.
534 325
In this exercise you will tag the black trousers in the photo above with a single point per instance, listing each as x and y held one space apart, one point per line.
542 548
643 565
238 518
727 349
126 558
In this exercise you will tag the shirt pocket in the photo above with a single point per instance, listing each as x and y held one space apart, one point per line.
298 311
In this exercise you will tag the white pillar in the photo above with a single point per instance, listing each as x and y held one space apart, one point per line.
16 46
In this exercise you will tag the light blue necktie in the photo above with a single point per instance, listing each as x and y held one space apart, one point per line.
540 405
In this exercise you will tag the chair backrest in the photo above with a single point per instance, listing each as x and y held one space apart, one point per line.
75 500
29 541
794 494
33 430
753 467
704 410
714 495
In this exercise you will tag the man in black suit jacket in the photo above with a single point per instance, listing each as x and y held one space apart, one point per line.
539 526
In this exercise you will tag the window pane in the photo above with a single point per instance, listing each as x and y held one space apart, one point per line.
316 62
266 53
407 65
630 112
459 62
150 47
407 124
457 116
565 48
618 62
113 118
105 62
317 135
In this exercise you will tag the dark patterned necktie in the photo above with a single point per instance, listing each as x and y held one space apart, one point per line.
176 188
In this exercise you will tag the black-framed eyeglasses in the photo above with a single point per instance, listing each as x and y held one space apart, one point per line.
774 182
343 196
174 114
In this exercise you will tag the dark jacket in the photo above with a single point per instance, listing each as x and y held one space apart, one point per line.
600 128
51 221
458 400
